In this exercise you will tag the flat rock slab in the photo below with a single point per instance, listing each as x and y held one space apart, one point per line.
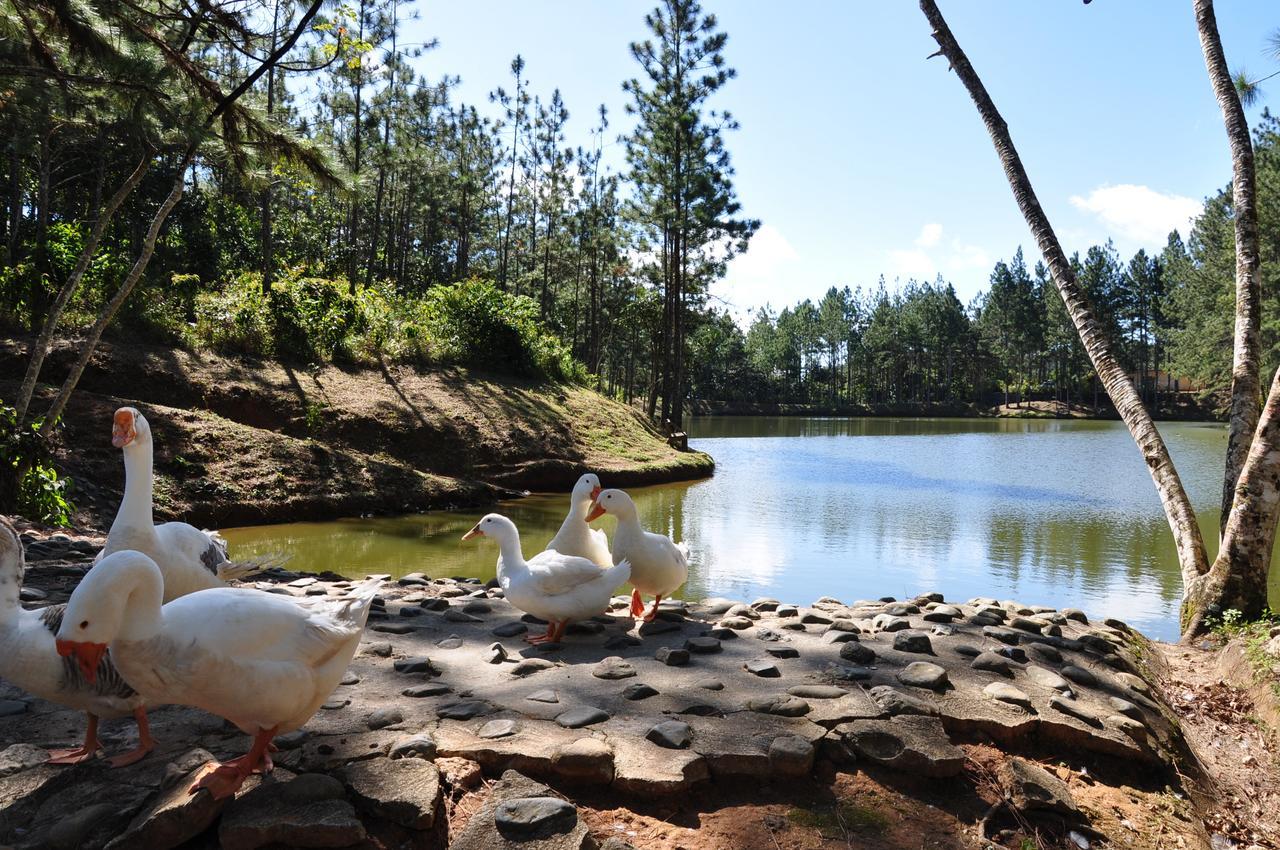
308 811
522 814
405 791
911 743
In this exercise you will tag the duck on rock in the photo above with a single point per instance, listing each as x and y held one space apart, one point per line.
263 661
659 565
189 559
552 586
29 659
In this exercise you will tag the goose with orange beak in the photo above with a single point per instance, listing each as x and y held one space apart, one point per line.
188 558
575 537
84 680
262 661
554 587
659 565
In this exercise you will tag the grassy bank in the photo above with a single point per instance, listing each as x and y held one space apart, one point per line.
243 440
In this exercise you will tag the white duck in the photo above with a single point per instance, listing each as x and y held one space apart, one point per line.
263 661
29 659
553 586
659 565
188 558
575 537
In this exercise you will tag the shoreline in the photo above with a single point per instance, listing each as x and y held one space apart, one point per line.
1191 412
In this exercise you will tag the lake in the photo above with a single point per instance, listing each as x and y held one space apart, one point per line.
1054 512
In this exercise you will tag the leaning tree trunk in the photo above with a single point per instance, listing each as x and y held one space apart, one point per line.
41 348
1246 384
1177 507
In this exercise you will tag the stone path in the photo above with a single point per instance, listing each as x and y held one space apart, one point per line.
714 689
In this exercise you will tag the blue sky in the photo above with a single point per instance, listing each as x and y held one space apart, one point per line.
861 158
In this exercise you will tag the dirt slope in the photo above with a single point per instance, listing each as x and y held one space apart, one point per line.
242 441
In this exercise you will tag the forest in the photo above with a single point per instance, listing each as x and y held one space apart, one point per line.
288 185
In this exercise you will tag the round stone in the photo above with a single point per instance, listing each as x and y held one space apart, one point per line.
1079 675
534 817
817 691
1005 692
992 662
638 691
510 629
614 667
672 734
432 689
702 645
912 642
547 696
384 717
762 667
672 656
782 705
1047 678
498 729
922 674
858 653
583 715
710 684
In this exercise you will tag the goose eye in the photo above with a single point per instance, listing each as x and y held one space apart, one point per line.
84 624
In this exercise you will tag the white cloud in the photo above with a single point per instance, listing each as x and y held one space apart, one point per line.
929 235
760 274
917 264
1139 212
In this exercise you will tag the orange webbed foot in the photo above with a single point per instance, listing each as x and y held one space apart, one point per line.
79 755
131 757
221 780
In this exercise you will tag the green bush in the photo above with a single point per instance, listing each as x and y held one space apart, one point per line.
29 484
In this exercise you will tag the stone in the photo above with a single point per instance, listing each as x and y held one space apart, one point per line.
782 705
991 662
80 827
1076 709
942 631
858 653
1001 634
622 641
583 715
173 817
530 818
1123 706
545 696
1004 692
911 743
894 702
768 635
1118 625
554 830
838 637
703 645
813 618
530 665
912 642
1075 614
586 759
901 609
671 734
817 691
614 667
335 704
1097 643
498 729
638 691
1045 652
1013 653
1079 675
17 757
495 654
405 791
710 684
783 651
735 623
383 717
841 624
381 650
584 627
308 811
1137 683
657 627
511 629
1028 624
721 634
966 650
421 745
349 678
477 606
411 611
393 628
765 603
672 657
923 674
1030 788
1046 678
786 611
11 707
463 710
790 756
417 664
431 689
888 623
435 603
762 667
450 642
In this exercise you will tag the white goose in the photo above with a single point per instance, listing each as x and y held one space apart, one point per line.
263 661
29 659
575 537
553 586
659 565
188 558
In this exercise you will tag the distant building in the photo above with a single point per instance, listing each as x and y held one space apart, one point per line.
1163 382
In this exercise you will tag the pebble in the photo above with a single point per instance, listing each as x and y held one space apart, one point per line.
765 603
1045 653
672 656
1014 653
1123 706
817 691
888 623
783 651
393 628
735 623
382 650
966 650
721 633
786 611
435 603
790 755
336 704
496 653
858 653
384 717
463 710
672 734
530 665
992 662
476 606
416 664
768 635
710 684
622 641
1005 692
613 667
451 642
912 642
638 691
762 667
510 629
813 618
838 637
702 645
498 729
1001 634
583 715
782 705
1047 678
1075 709
546 695
1079 675
433 689
923 674
421 745
529 818
851 674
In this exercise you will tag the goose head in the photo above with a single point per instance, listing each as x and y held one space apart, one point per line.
98 610
496 526
130 428
587 488
614 502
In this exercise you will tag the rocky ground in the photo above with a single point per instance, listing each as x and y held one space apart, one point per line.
919 723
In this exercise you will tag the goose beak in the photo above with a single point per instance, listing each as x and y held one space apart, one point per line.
88 656
122 431
473 533
595 493
597 511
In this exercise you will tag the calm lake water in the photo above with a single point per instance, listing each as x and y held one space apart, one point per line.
1048 512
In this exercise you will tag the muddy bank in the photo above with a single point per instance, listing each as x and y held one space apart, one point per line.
723 724
243 442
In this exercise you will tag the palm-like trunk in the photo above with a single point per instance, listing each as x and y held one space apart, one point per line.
1246 384
43 341
1177 507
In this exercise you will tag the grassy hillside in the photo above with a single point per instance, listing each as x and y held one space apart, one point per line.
242 441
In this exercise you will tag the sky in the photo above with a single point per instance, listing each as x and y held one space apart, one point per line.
862 158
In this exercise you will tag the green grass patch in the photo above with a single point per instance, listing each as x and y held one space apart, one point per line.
1252 635
840 819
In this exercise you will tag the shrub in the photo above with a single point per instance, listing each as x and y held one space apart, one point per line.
29 484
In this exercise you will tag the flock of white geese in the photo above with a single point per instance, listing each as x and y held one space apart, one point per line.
154 621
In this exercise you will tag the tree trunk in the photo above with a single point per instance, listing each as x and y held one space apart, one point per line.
41 348
1246 383
1177 507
